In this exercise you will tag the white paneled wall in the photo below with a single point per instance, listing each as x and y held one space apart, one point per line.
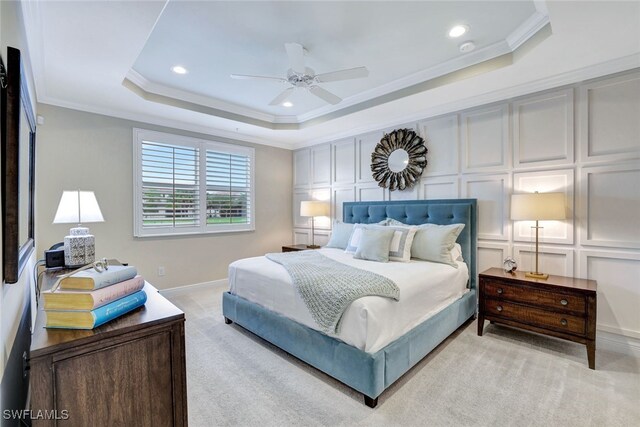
583 140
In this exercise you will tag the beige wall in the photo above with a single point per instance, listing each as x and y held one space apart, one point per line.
94 152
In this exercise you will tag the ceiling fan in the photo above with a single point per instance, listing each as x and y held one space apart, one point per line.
299 76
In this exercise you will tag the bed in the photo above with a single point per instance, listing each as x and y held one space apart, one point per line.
369 363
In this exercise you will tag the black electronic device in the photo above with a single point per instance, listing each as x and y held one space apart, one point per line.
54 257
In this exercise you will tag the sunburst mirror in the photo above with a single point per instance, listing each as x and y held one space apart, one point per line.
399 159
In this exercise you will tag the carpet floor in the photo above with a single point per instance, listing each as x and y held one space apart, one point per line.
504 378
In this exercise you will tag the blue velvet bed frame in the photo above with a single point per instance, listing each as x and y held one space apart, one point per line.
372 373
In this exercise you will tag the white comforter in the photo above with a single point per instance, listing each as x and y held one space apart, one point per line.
370 323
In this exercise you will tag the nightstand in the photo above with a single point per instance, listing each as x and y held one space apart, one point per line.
295 248
562 307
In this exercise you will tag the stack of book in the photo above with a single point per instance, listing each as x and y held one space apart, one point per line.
88 299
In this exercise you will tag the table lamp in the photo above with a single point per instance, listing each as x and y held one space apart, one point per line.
538 207
78 207
313 208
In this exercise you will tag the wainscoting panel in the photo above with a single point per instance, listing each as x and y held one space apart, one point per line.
408 194
341 195
441 187
301 236
491 254
441 139
552 260
370 192
543 130
485 139
617 274
610 205
343 162
302 168
321 165
299 196
609 125
492 192
365 144
544 182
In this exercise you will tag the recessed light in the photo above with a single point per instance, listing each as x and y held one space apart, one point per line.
287 104
179 69
458 30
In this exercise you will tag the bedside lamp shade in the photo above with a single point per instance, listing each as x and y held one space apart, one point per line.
538 207
314 208
76 207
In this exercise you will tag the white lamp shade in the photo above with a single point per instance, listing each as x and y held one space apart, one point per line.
538 206
314 208
78 207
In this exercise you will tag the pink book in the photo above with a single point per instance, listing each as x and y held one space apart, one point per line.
66 299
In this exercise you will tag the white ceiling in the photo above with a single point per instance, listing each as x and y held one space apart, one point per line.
81 52
393 40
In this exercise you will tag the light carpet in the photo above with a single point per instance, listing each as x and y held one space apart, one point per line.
504 378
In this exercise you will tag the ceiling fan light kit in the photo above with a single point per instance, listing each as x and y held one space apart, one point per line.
300 76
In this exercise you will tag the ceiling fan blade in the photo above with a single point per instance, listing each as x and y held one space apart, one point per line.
295 52
351 73
282 97
325 94
247 77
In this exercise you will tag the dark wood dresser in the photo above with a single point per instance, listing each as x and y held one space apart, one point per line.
562 307
130 371
295 248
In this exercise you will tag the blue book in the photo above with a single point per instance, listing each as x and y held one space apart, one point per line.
85 319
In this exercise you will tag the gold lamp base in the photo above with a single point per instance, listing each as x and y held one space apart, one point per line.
543 276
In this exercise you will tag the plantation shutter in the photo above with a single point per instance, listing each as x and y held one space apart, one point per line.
170 186
228 188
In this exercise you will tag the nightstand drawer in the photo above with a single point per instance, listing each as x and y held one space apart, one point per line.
531 295
535 316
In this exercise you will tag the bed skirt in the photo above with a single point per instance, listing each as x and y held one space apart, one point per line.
368 373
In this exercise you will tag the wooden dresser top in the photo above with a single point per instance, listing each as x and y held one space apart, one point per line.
583 285
157 310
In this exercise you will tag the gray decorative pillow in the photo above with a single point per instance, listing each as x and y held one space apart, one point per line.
340 233
374 244
400 246
434 243
395 223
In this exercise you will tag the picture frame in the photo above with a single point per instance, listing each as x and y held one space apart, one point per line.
18 164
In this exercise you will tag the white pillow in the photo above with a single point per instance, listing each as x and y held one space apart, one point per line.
400 247
434 243
340 234
456 252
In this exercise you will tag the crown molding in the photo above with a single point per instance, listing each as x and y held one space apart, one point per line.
613 66
160 121
158 89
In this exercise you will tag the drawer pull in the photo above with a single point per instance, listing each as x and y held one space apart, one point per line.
500 290
564 302
499 308
563 322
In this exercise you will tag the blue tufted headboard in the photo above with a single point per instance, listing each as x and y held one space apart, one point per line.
416 212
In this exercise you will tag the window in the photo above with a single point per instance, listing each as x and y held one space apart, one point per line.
189 186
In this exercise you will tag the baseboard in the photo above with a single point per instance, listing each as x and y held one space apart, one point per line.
618 343
178 290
